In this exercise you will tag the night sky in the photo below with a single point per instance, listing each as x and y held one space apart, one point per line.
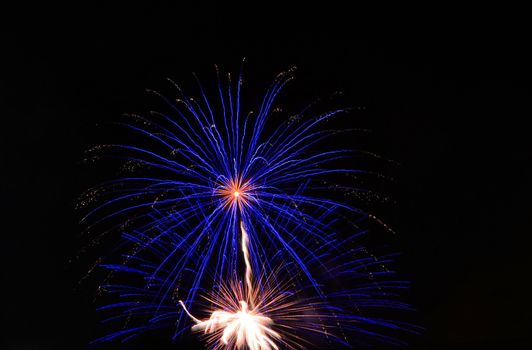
445 92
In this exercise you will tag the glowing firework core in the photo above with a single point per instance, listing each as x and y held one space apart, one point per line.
236 192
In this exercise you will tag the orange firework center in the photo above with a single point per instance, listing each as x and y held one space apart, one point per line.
235 192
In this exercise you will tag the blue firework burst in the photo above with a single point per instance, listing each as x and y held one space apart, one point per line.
204 168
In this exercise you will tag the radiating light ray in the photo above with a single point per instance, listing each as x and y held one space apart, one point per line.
245 252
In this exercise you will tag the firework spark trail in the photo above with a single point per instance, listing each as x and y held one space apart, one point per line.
246 327
245 251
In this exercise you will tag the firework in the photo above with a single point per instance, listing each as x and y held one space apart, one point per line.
205 175
243 326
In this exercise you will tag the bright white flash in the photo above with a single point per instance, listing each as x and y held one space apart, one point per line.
241 329
244 328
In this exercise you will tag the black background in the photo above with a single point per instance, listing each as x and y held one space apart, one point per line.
445 92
